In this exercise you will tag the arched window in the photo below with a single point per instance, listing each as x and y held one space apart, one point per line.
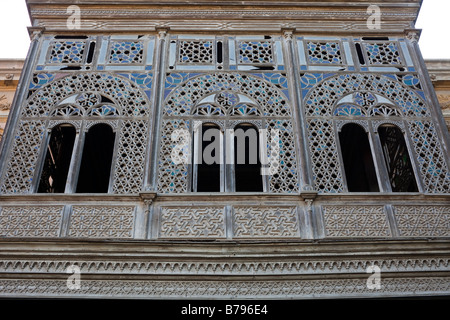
247 165
96 160
208 147
57 160
358 161
397 160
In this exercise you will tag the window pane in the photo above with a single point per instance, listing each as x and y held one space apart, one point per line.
247 164
57 160
398 163
96 160
358 160
208 163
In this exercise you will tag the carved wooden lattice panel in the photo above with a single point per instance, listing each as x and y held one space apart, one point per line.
173 170
273 222
102 221
324 154
423 221
192 222
430 156
129 169
355 221
30 221
19 172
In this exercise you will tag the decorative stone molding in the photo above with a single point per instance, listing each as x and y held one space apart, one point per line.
26 221
272 222
239 289
355 221
102 222
263 267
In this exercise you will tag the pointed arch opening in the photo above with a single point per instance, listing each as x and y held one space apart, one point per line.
247 164
96 161
358 160
208 145
397 160
57 159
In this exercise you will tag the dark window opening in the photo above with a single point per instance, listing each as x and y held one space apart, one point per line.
375 38
70 68
91 52
358 161
247 165
219 52
96 160
208 161
71 37
57 160
398 163
360 54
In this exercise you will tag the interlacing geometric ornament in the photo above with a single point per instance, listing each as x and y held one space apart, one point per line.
430 156
196 51
324 52
374 97
250 222
30 221
23 157
385 53
102 221
192 222
125 94
355 221
423 221
255 52
126 52
68 52
102 97
225 96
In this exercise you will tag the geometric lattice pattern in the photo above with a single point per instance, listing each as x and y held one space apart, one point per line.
173 169
19 173
382 53
423 221
255 52
102 221
218 95
324 53
285 178
430 157
324 155
196 51
355 221
265 222
126 52
129 169
192 222
321 99
70 52
124 94
30 221
183 98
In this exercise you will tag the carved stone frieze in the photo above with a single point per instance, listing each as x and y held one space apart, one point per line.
192 222
230 267
355 221
225 289
273 222
420 221
102 222
36 221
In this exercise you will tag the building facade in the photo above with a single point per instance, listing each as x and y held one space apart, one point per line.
105 167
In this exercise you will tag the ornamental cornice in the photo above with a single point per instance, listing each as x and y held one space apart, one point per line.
268 14
254 268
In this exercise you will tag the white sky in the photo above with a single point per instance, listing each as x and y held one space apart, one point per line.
433 19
